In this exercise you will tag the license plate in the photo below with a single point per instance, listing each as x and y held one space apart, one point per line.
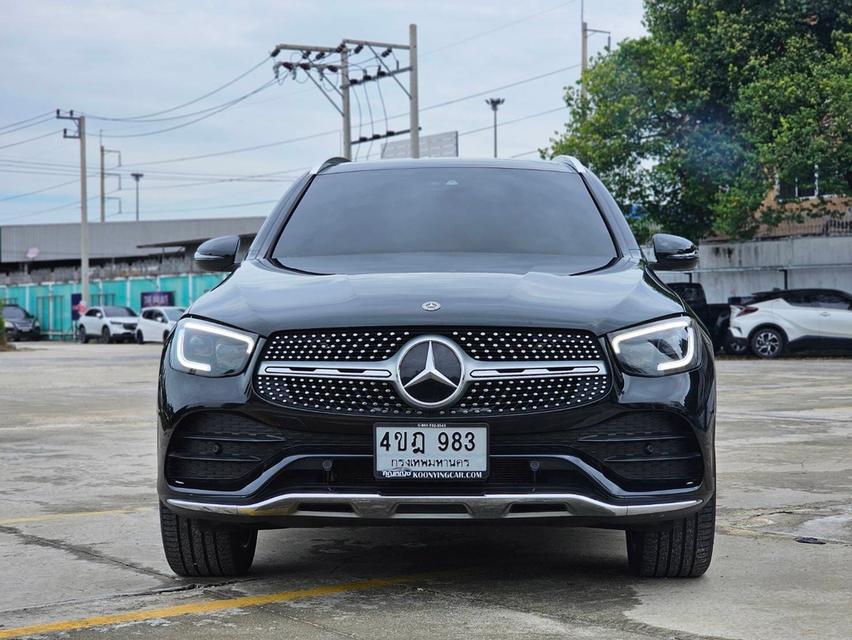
430 451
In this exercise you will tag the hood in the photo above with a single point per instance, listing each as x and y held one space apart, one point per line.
263 299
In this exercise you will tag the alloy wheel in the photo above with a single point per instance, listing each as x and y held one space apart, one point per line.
767 344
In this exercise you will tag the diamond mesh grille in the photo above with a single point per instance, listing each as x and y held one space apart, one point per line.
493 397
483 343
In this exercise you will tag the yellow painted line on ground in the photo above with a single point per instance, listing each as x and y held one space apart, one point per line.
71 514
210 606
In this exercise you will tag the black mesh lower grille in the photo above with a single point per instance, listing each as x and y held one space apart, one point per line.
641 446
638 451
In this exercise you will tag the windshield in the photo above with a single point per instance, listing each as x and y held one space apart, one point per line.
119 312
445 218
173 314
14 313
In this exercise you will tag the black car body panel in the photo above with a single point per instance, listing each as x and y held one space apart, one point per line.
262 298
319 453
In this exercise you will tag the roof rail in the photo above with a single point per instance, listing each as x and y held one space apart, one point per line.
331 162
572 162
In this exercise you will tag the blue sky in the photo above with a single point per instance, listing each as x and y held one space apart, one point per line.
120 59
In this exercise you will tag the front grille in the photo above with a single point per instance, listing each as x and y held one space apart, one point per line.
349 395
493 397
637 450
482 343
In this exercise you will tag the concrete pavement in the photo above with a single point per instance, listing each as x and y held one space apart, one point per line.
80 553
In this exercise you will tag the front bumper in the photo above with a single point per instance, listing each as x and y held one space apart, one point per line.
582 492
376 506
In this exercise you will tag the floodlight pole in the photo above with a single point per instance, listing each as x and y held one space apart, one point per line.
494 103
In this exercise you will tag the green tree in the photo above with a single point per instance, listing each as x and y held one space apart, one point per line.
694 121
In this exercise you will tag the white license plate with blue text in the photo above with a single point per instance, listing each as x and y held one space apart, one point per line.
431 451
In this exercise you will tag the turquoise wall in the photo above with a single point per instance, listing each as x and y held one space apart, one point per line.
51 302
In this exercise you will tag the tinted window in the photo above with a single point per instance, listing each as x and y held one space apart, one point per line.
452 211
832 301
119 312
14 313
93 312
801 299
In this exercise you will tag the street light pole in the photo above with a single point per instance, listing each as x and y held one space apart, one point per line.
136 177
494 103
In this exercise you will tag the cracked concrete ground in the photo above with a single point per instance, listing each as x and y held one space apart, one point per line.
79 537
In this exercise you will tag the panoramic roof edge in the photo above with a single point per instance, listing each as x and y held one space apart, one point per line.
572 162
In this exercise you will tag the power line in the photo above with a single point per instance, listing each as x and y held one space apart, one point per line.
27 126
217 206
337 131
227 105
193 101
495 29
30 193
240 149
25 120
525 153
521 119
15 144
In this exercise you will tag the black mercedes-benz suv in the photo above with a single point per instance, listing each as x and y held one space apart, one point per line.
439 341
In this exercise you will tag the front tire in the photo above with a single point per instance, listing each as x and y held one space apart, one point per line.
105 336
683 549
82 336
205 552
767 342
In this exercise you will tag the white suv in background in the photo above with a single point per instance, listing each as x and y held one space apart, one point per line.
108 324
155 323
794 319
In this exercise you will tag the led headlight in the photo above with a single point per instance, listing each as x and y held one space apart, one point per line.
659 348
209 349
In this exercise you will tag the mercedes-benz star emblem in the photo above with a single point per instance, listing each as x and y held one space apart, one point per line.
431 305
430 372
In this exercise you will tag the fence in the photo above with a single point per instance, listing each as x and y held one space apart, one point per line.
50 302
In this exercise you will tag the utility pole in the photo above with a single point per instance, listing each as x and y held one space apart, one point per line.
80 121
105 151
413 106
584 46
344 98
315 60
136 177
494 103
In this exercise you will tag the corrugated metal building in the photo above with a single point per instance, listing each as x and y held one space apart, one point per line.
59 244
39 264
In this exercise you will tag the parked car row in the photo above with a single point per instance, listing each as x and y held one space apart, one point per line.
769 324
774 322
111 323
20 323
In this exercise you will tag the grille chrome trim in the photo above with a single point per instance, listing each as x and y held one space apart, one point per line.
480 385
471 369
377 506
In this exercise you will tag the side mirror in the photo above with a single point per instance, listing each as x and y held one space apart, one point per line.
218 254
99 315
673 253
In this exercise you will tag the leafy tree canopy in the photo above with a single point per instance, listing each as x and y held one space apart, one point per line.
694 122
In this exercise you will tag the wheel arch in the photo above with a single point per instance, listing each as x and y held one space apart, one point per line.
769 325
